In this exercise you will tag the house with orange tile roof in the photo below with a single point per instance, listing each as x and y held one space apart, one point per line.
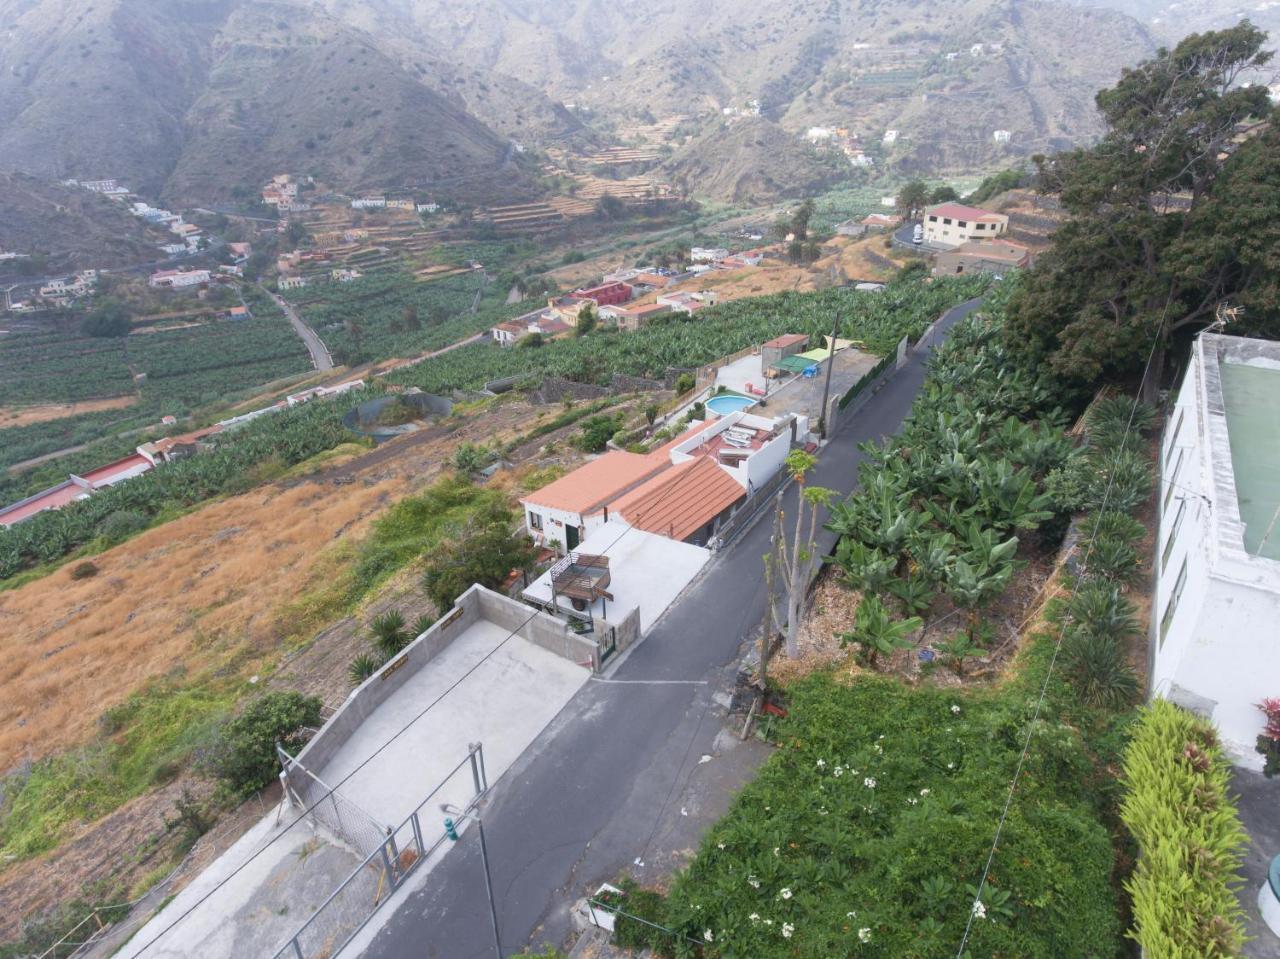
685 503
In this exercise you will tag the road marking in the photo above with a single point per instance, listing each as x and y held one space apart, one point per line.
653 683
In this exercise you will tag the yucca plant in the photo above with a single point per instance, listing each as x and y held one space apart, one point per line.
1111 559
389 635
1098 609
422 624
362 667
1112 523
1099 669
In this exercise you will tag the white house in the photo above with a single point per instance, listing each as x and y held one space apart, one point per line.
291 282
369 203
1002 136
177 279
1216 615
951 224
702 254
890 137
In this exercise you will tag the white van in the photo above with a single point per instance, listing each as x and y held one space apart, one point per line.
917 235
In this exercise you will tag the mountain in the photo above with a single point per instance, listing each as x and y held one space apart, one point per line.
869 66
1171 20
752 160
69 226
192 100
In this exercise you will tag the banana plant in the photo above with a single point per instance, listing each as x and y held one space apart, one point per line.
863 567
973 583
956 650
876 631
914 591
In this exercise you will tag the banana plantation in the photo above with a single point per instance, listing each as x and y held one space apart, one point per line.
281 439
678 341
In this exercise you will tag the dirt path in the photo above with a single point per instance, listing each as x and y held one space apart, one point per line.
11 416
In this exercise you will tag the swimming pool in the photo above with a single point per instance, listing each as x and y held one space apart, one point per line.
727 403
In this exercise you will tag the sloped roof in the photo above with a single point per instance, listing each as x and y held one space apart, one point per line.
961 212
681 500
787 339
597 483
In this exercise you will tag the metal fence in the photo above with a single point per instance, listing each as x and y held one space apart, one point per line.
385 868
340 816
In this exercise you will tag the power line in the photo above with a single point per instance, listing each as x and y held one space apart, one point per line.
334 788
1057 649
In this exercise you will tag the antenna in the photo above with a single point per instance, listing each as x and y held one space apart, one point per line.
1225 314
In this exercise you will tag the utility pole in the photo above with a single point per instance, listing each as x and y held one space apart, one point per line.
452 833
826 390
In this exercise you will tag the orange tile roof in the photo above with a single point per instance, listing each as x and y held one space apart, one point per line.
680 501
599 482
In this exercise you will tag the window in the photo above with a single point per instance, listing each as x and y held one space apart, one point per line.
535 521
1171 607
980 226
962 224
1172 481
933 219
946 220
1177 428
1173 535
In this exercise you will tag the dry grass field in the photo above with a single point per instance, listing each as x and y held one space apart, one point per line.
26 415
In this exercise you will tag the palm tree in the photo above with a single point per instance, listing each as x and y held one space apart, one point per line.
793 565
876 631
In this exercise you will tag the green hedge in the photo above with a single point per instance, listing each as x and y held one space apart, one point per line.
1190 839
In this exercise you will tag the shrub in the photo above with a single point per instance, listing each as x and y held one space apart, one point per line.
362 667
684 383
597 431
422 624
1190 840
1113 559
122 524
1269 740
244 755
85 570
484 554
389 636
468 458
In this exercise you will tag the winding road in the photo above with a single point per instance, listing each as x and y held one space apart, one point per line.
320 357
582 804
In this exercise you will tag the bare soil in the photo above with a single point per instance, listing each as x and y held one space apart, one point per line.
11 416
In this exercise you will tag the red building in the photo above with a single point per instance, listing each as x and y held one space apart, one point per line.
611 294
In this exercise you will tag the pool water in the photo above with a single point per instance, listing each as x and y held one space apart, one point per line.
727 403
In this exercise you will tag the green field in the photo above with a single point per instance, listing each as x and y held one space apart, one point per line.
677 341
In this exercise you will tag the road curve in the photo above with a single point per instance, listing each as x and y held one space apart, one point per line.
320 357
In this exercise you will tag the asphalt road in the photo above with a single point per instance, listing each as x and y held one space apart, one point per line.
320 357
584 802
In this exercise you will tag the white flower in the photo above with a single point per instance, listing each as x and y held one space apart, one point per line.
754 917
851 914
878 748
924 792
768 922
719 845
787 930
775 850
706 934
785 894
822 811
912 801
951 765
838 771
753 882
955 709
869 782
822 764
979 910
864 934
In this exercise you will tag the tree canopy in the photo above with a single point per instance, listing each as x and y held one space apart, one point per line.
1169 214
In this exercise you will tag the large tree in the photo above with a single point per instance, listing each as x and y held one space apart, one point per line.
1118 281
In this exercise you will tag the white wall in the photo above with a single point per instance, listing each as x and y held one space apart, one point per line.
554 522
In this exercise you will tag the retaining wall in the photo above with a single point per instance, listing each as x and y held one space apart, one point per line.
474 605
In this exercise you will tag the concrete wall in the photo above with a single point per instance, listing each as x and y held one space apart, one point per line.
627 632
555 522
542 629
474 605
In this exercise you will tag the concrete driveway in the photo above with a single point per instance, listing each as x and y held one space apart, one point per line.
588 797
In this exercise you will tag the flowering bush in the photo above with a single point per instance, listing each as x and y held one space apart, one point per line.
865 835
1269 741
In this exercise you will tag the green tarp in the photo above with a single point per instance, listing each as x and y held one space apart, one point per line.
792 364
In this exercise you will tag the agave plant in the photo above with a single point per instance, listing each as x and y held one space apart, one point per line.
1113 559
1098 609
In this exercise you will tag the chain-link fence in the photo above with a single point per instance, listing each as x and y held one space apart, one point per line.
388 863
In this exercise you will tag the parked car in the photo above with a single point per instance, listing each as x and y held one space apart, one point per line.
917 236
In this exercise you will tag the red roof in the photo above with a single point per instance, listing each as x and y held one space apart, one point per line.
53 498
680 501
597 483
787 339
115 471
958 211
